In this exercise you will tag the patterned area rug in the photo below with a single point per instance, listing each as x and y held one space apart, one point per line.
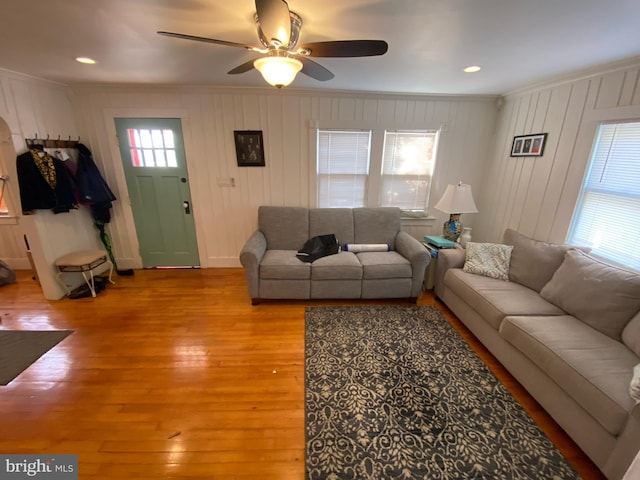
396 393
20 348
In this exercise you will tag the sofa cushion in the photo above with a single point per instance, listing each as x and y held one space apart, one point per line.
343 266
631 334
599 294
488 259
533 262
285 228
284 265
384 265
495 299
376 225
591 367
338 221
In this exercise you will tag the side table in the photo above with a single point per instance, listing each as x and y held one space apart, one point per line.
430 272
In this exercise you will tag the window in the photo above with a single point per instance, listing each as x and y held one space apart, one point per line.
3 204
607 217
152 148
395 172
343 167
407 166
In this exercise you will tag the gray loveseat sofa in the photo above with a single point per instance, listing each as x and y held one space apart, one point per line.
567 326
274 272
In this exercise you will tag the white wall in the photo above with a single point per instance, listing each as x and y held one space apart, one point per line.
537 195
226 216
30 107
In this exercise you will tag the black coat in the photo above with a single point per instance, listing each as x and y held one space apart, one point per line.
93 189
35 191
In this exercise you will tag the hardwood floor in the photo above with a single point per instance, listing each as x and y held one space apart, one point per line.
173 374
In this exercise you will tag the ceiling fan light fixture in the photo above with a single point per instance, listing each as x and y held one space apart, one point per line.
86 60
278 71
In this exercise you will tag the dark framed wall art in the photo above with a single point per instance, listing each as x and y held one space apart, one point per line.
528 145
249 148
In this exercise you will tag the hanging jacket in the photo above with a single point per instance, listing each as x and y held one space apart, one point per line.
94 190
44 183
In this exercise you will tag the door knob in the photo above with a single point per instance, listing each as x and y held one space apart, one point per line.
187 207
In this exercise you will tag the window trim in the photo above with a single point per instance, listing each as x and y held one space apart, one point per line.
582 187
375 159
3 196
416 213
367 175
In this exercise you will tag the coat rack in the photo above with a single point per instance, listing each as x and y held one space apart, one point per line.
51 143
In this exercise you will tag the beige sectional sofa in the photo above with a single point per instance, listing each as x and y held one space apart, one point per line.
274 272
567 326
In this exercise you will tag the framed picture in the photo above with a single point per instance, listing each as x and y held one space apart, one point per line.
528 145
249 148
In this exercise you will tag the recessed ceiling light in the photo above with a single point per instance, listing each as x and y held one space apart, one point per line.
87 60
472 69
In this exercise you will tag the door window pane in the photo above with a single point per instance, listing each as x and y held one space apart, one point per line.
160 158
145 136
171 158
148 158
152 148
156 137
168 139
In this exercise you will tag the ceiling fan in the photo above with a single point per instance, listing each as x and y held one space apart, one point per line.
278 31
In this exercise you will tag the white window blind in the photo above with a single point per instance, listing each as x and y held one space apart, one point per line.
407 168
343 167
607 217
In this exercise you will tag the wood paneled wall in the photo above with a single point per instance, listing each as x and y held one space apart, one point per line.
225 216
537 195
31 107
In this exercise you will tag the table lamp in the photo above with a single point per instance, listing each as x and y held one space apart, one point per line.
457 199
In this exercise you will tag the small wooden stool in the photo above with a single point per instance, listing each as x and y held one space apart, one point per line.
83 262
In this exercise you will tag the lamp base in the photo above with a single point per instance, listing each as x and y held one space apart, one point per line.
451 229
465 237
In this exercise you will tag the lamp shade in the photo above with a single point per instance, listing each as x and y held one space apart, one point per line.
278 71
457 199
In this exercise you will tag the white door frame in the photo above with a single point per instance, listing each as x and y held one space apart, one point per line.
109 115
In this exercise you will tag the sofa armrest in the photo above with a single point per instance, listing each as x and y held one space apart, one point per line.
447 258
250 258
626 446
414 251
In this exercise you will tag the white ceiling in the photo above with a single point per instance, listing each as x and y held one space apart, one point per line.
517 42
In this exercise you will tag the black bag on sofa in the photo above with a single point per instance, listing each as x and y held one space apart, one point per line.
318 247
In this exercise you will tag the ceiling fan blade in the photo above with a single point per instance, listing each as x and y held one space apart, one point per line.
206 40
245 67
274 20
346 48
315 70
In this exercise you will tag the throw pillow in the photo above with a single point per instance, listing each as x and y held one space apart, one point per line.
601 295
488 259
533 262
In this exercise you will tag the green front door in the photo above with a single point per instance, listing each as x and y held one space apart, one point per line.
155 167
